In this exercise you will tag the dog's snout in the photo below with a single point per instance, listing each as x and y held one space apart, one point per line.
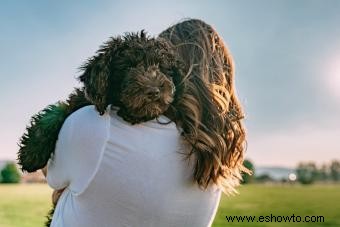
153 93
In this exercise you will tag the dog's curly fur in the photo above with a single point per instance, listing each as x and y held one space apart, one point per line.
136 73
107 74
145 97
133 73
38 142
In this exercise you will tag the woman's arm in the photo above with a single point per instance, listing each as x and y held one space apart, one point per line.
44 170
78 148
56 193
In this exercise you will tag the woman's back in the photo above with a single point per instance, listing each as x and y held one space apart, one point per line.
127 176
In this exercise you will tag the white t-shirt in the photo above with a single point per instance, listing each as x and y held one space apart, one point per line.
117 174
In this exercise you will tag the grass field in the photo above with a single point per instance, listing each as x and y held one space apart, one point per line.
25 205
314 200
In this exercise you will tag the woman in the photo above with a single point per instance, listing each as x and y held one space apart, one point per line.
154 174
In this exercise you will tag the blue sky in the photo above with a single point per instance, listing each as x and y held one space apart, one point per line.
287 56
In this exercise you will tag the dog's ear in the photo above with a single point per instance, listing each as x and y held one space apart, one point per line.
96 74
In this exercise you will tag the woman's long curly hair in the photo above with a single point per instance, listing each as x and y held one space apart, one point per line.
209 112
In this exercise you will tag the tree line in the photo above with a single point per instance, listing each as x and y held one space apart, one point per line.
309 172
306 173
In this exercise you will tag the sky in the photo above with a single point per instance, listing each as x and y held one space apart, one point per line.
286 52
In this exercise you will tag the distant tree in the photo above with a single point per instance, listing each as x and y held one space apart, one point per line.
335 170
307 173
10 174
264 178
323 173
246 177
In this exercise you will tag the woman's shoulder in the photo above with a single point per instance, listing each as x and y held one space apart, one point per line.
86 122
87 114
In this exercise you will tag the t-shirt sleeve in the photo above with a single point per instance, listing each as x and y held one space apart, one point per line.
80 143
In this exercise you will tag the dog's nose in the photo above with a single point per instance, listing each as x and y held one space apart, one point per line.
153 93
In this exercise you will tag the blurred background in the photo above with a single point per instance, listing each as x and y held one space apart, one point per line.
287 58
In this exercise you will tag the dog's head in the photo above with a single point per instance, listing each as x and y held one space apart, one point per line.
134 72
146 92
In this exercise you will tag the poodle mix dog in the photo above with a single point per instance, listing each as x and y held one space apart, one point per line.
135 73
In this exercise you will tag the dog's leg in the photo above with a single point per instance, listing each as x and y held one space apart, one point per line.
49 217
38 142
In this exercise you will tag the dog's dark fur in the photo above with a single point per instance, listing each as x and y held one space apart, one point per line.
133 73
38 142
118 62
136 73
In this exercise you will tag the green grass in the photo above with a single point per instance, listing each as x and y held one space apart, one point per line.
314 200
26 205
